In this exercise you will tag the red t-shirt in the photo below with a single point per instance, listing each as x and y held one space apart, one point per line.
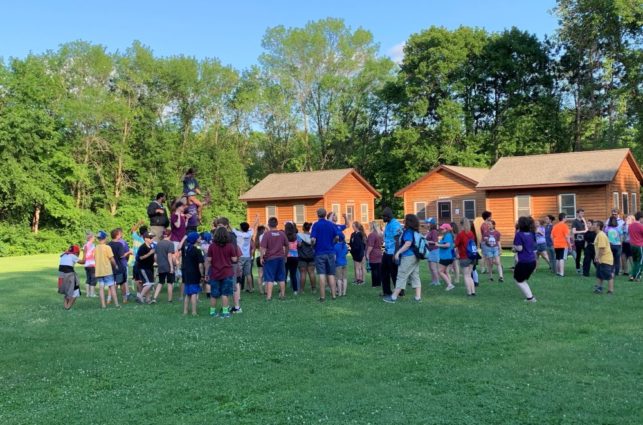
221 260
375 241
461 242
491 238
274 242
636 233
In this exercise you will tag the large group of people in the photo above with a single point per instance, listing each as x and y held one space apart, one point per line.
220 262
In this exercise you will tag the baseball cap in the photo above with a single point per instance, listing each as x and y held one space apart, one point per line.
446 226
101 235
430 220
149 235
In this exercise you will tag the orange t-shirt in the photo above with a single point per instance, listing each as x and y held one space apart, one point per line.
560 235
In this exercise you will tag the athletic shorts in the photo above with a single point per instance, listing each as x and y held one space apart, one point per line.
147 276
446 263
604 271
166 278
222 287
541 247
325 264
121 277
105 280
626 249
135 274
245 264
90 275
274 270
465 262
560 253
191 289
523 271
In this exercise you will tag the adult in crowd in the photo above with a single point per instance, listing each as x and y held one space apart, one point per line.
409 264
636 243
244 236
562 243
274 249
358 249
159 220
392 233
374 253
551 252
524 246
324 234
579 228
306 256
333 218
462 241
590 252
166 262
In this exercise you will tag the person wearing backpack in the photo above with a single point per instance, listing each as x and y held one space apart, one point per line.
465 243
306 253
409 263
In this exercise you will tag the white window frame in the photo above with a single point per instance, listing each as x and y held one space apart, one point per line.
350 218
634 203
303 213
560 204
464 210
363 214
437 208
625 199
271 215
416 209
516 215
616 197
337 209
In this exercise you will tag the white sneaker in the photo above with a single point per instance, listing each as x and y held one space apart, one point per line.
532 300
450 287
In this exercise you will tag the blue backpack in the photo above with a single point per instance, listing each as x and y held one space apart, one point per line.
419 247
472 250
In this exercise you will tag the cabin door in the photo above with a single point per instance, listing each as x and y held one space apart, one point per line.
444 212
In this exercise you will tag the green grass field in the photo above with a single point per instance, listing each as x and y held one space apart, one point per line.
572 358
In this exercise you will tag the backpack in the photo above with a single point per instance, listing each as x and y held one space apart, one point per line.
419 246
472 250
306 251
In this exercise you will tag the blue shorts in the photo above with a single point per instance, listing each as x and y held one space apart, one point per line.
434 256
490 251
604 271
325 264
105 280
274 270
541 247
191 289
222 287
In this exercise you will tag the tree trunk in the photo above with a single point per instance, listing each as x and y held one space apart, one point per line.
35 220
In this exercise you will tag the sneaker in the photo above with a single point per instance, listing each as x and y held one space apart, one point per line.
225 315
530 300
321 300
236 310
598 289
214 312
491 279
501 279
389 300
153 301
139 301
610 293
417 300
450 287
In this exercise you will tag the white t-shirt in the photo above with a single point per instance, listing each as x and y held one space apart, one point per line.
244 241
68 260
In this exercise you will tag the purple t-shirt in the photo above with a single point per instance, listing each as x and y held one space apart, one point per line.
193 221
432 236
527 241
178 232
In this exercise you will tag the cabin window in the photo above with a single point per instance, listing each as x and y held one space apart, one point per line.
336 210
567 204
635 206
444 211
271 211
350 214
615 197
523 206
420 210
300 214
364 213
625 204
469 208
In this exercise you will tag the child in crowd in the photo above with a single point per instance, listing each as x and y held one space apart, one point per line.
604 260
358 249
165 266
221 255
446 245
455 266
258 237
67 277
524 247
292 260
105 267
590 251
434 252
626 247
306 256
614 231
274 248
374 253
192 264
341 251
541 242
145 264
191 190
90 265
206 241
492 247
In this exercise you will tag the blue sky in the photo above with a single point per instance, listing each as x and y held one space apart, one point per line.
232 30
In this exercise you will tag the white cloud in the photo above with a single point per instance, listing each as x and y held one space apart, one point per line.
396 53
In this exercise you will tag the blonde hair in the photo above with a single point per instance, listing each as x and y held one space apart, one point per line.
374 226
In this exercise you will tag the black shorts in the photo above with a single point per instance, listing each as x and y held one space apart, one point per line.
523 271
147 275
166 278
446 263
626 249
135 274
560 253
604 271
259 263
190 229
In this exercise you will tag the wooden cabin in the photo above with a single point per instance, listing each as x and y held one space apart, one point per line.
537 185
447 193
297 196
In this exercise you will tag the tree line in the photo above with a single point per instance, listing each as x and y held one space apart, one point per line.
88 136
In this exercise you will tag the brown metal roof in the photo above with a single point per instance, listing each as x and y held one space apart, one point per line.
573 168
473 175
304 185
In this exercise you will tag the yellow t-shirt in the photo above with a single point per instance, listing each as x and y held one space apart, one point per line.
602 242
102 254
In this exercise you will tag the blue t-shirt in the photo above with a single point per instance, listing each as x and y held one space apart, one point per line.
392 229
407 236
341 250
190 185
446 253
324 233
